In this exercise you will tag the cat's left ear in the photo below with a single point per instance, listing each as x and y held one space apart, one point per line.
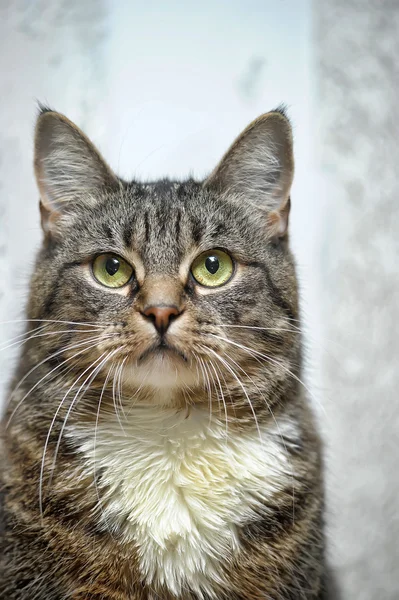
259 168
69 169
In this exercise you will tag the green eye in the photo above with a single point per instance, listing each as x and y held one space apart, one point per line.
111 270
212 268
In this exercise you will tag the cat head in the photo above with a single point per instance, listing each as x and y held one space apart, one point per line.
171 287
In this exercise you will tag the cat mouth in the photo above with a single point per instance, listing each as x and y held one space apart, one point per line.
161 349
162 366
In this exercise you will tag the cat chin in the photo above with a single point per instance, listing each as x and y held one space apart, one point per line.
163 374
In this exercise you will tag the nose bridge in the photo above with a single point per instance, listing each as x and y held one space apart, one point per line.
161 290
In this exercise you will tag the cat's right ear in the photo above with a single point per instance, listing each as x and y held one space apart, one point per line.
69 169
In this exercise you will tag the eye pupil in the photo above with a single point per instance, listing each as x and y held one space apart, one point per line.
212 268
112 265
212 264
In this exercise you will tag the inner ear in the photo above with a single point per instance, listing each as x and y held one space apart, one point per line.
258 168
48 219
68 167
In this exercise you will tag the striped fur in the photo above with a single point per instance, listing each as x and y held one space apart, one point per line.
184 465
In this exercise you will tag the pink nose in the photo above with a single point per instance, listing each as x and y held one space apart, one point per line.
161 316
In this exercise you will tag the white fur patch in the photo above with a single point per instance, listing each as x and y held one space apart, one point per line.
175 485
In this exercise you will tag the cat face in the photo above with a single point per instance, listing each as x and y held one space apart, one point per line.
168 287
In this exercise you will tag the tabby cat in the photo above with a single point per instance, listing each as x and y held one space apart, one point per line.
157 441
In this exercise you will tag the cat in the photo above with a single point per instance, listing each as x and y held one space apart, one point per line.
158 442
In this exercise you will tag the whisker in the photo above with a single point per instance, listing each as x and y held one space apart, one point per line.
292 329
57 353
274 329
243 389
26 333
226 386
96 325
114 394
203 348
120 387
200 365
95 445
222 396
46 334
207 386
278 430
255 353
90 377
70 347
196 362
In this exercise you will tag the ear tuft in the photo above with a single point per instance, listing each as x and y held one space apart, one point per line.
43 108
68 167
282 109
259 168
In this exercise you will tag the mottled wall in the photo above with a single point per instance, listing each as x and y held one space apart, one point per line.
357 46
53 52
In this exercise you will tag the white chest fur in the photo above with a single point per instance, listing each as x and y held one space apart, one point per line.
179 488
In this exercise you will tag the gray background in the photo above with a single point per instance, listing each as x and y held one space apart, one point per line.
163 88
356 47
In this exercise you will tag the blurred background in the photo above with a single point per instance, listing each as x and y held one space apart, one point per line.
163 88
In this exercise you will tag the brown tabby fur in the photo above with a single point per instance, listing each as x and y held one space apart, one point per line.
242 207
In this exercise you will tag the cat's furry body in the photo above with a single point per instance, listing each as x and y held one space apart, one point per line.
136 472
